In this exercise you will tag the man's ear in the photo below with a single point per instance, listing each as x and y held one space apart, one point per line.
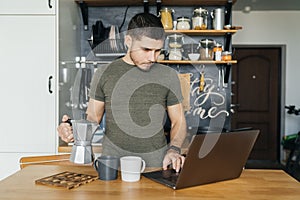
128 41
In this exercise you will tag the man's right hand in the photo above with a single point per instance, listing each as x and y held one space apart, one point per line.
65 131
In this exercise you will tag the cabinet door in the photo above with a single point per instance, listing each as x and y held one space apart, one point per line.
10 163
27 60
27 7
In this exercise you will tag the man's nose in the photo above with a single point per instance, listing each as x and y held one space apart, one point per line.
152 56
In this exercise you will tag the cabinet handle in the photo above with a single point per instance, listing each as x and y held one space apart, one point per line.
49 4
49 84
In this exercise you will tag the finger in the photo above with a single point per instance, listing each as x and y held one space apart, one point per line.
178 164
174 163
182 160
68 132
70 138
166 163
65 132
65 118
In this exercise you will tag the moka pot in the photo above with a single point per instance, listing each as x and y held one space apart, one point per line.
83 131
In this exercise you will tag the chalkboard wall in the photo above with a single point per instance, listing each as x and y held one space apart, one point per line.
209 108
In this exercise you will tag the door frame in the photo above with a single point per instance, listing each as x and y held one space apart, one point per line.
281 88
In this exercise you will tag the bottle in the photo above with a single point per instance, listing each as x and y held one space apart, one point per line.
226 56
175 40
175 54
183 23
166 18
199 19
206 49
217 52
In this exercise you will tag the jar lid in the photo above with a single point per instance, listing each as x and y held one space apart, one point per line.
166 10
218 45
207 41
226 53
183 19
176 36
175 48
200 10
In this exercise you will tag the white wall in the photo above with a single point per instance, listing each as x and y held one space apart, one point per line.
276 28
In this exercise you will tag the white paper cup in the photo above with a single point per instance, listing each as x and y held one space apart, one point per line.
131 168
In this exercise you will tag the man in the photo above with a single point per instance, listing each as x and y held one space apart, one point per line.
135 93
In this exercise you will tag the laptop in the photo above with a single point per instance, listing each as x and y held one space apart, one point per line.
211 157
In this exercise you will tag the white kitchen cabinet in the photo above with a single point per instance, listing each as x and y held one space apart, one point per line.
10 162
21 7
28 63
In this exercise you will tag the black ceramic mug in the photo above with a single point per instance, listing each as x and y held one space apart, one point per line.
107 167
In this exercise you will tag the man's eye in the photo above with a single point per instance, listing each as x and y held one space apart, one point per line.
146 49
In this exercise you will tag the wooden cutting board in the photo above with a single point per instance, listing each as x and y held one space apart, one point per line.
185 82
66 179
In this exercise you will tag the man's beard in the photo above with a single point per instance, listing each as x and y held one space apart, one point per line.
143 69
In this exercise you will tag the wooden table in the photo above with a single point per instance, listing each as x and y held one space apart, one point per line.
253 184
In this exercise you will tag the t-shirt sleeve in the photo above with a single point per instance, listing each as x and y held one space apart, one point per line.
175 94
96 91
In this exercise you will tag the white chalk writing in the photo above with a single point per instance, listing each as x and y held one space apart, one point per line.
217 100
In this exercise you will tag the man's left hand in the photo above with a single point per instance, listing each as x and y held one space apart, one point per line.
174 158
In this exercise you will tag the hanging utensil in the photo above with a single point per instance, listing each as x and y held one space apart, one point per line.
75 95
202 80
219 78
112 38
224 85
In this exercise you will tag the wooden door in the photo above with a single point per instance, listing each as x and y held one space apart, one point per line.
256 92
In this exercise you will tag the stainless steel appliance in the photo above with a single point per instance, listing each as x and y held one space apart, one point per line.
218 15
83 131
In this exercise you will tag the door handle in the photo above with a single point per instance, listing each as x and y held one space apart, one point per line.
233 107
49 4
49 85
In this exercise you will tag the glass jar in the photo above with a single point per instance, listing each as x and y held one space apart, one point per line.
175 40
226 56
175 54
163 54
218 52
166 18
183 23
206 49
199 19
188 49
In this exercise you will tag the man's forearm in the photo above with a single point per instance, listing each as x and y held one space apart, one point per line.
178 133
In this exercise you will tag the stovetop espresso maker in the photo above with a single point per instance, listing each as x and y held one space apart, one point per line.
83 131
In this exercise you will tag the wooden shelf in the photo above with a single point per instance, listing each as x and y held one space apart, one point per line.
153 2
181 62
203 32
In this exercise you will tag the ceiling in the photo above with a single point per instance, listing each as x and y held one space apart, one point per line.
260 5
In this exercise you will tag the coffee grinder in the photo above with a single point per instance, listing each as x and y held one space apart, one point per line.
83 131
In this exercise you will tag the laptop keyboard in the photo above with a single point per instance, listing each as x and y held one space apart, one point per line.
168 177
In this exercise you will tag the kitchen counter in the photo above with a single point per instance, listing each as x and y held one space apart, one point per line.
253 184
68 149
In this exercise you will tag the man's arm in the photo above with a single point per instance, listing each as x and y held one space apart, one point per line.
177 134
95 110
178 125
94 113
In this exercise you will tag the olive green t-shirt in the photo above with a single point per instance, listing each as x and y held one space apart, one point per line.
135 107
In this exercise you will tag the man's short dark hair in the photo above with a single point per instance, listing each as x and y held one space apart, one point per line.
146 24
